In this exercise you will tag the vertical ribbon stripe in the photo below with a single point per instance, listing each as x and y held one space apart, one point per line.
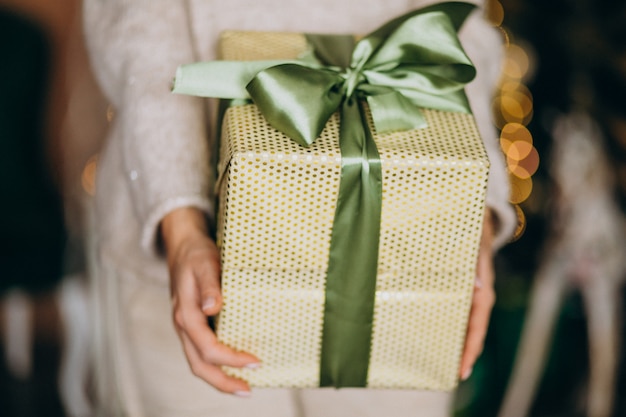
353 261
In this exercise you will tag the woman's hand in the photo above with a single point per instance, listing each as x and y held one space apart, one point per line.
194 266
483 300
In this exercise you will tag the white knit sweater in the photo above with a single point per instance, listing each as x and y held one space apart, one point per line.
156 156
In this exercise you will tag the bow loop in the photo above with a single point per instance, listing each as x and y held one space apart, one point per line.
297 100
353 79
423 39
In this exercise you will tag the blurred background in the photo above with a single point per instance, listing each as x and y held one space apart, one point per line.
52 121
555 344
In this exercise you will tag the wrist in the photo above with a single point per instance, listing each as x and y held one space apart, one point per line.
490 225
179 226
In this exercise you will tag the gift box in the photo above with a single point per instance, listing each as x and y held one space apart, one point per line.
277 207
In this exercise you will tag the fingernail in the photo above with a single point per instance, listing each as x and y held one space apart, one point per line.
242 394
478 283
208 303
255 365
467 374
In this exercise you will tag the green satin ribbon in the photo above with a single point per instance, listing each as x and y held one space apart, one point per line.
413 61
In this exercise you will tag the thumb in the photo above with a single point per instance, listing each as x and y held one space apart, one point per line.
211 299
209 288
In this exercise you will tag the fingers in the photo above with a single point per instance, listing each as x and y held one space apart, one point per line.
194 263
192 323
196 294
199 273
482 300
205 354
211 372
209 289
482 304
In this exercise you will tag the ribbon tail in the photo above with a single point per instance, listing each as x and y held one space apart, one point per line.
353 261
392 112
219 79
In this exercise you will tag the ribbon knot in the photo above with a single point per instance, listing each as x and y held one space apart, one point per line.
353 78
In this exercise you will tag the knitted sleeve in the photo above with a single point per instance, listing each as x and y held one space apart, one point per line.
135 47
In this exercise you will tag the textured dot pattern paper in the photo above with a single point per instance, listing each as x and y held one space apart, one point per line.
277 204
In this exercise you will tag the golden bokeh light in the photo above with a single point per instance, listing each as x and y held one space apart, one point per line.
531 162
495 13
510 86
512 107
512 111
516 62
518 171
516 132
516 150
496 112
520 189
88 177
521 222
526 167
516 107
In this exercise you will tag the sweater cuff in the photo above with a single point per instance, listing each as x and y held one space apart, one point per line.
150 227
505 222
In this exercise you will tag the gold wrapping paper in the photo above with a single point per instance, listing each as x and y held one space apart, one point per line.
277 203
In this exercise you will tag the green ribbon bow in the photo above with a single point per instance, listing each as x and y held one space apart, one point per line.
413 61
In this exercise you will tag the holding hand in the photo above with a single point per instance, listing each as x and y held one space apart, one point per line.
194 266
482 301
